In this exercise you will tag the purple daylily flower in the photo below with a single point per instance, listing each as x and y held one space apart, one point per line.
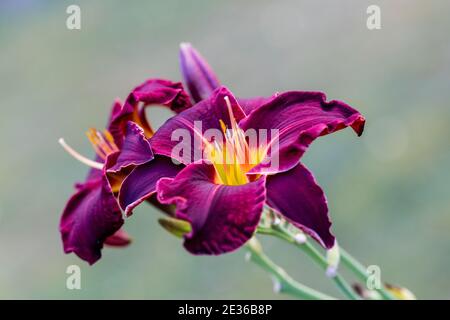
223 208
224 202
289 188
201 81
92 216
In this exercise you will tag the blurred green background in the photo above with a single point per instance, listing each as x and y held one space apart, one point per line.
388 191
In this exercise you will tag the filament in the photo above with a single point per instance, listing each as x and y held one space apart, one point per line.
79 157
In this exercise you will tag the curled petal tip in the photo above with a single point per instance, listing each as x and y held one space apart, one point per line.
119 239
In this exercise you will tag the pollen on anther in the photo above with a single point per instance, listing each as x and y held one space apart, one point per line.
103 143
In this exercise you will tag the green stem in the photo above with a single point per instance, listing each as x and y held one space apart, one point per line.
315 255
361 272
284 281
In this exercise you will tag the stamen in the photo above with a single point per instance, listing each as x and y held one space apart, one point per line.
103 143
233 158
93 138
223 126
230 113
79 157
109 137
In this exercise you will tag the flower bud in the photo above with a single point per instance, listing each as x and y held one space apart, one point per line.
333 258
366 293
400 293
176 227
198 75
255 246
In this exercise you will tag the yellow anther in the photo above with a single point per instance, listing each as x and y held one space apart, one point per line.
103 143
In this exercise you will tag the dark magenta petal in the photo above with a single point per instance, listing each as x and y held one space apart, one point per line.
197 74
94 173
250 104
207 112
140 184
151 92
300 118
223 217
89 218
296 195
162 92
135 150
118 239
115 110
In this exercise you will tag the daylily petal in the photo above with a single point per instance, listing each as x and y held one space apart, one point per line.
296 195
198 75
151 92
115 177
115 110
94 173
208 112
250 104
118 239
300 117
89 218
140 184
223 217
135 150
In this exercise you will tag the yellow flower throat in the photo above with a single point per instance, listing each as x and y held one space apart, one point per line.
233 157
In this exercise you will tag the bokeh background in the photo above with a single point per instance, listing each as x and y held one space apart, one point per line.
388 191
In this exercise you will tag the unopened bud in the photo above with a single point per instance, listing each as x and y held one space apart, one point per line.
300 238
198 75
276 221
177 227
255 246
333 258
276 285
400 293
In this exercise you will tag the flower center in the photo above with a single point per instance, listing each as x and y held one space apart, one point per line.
235 155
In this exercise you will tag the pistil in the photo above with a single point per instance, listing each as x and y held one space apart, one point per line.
103 144
79 157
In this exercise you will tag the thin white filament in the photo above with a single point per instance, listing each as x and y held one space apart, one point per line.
79 157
